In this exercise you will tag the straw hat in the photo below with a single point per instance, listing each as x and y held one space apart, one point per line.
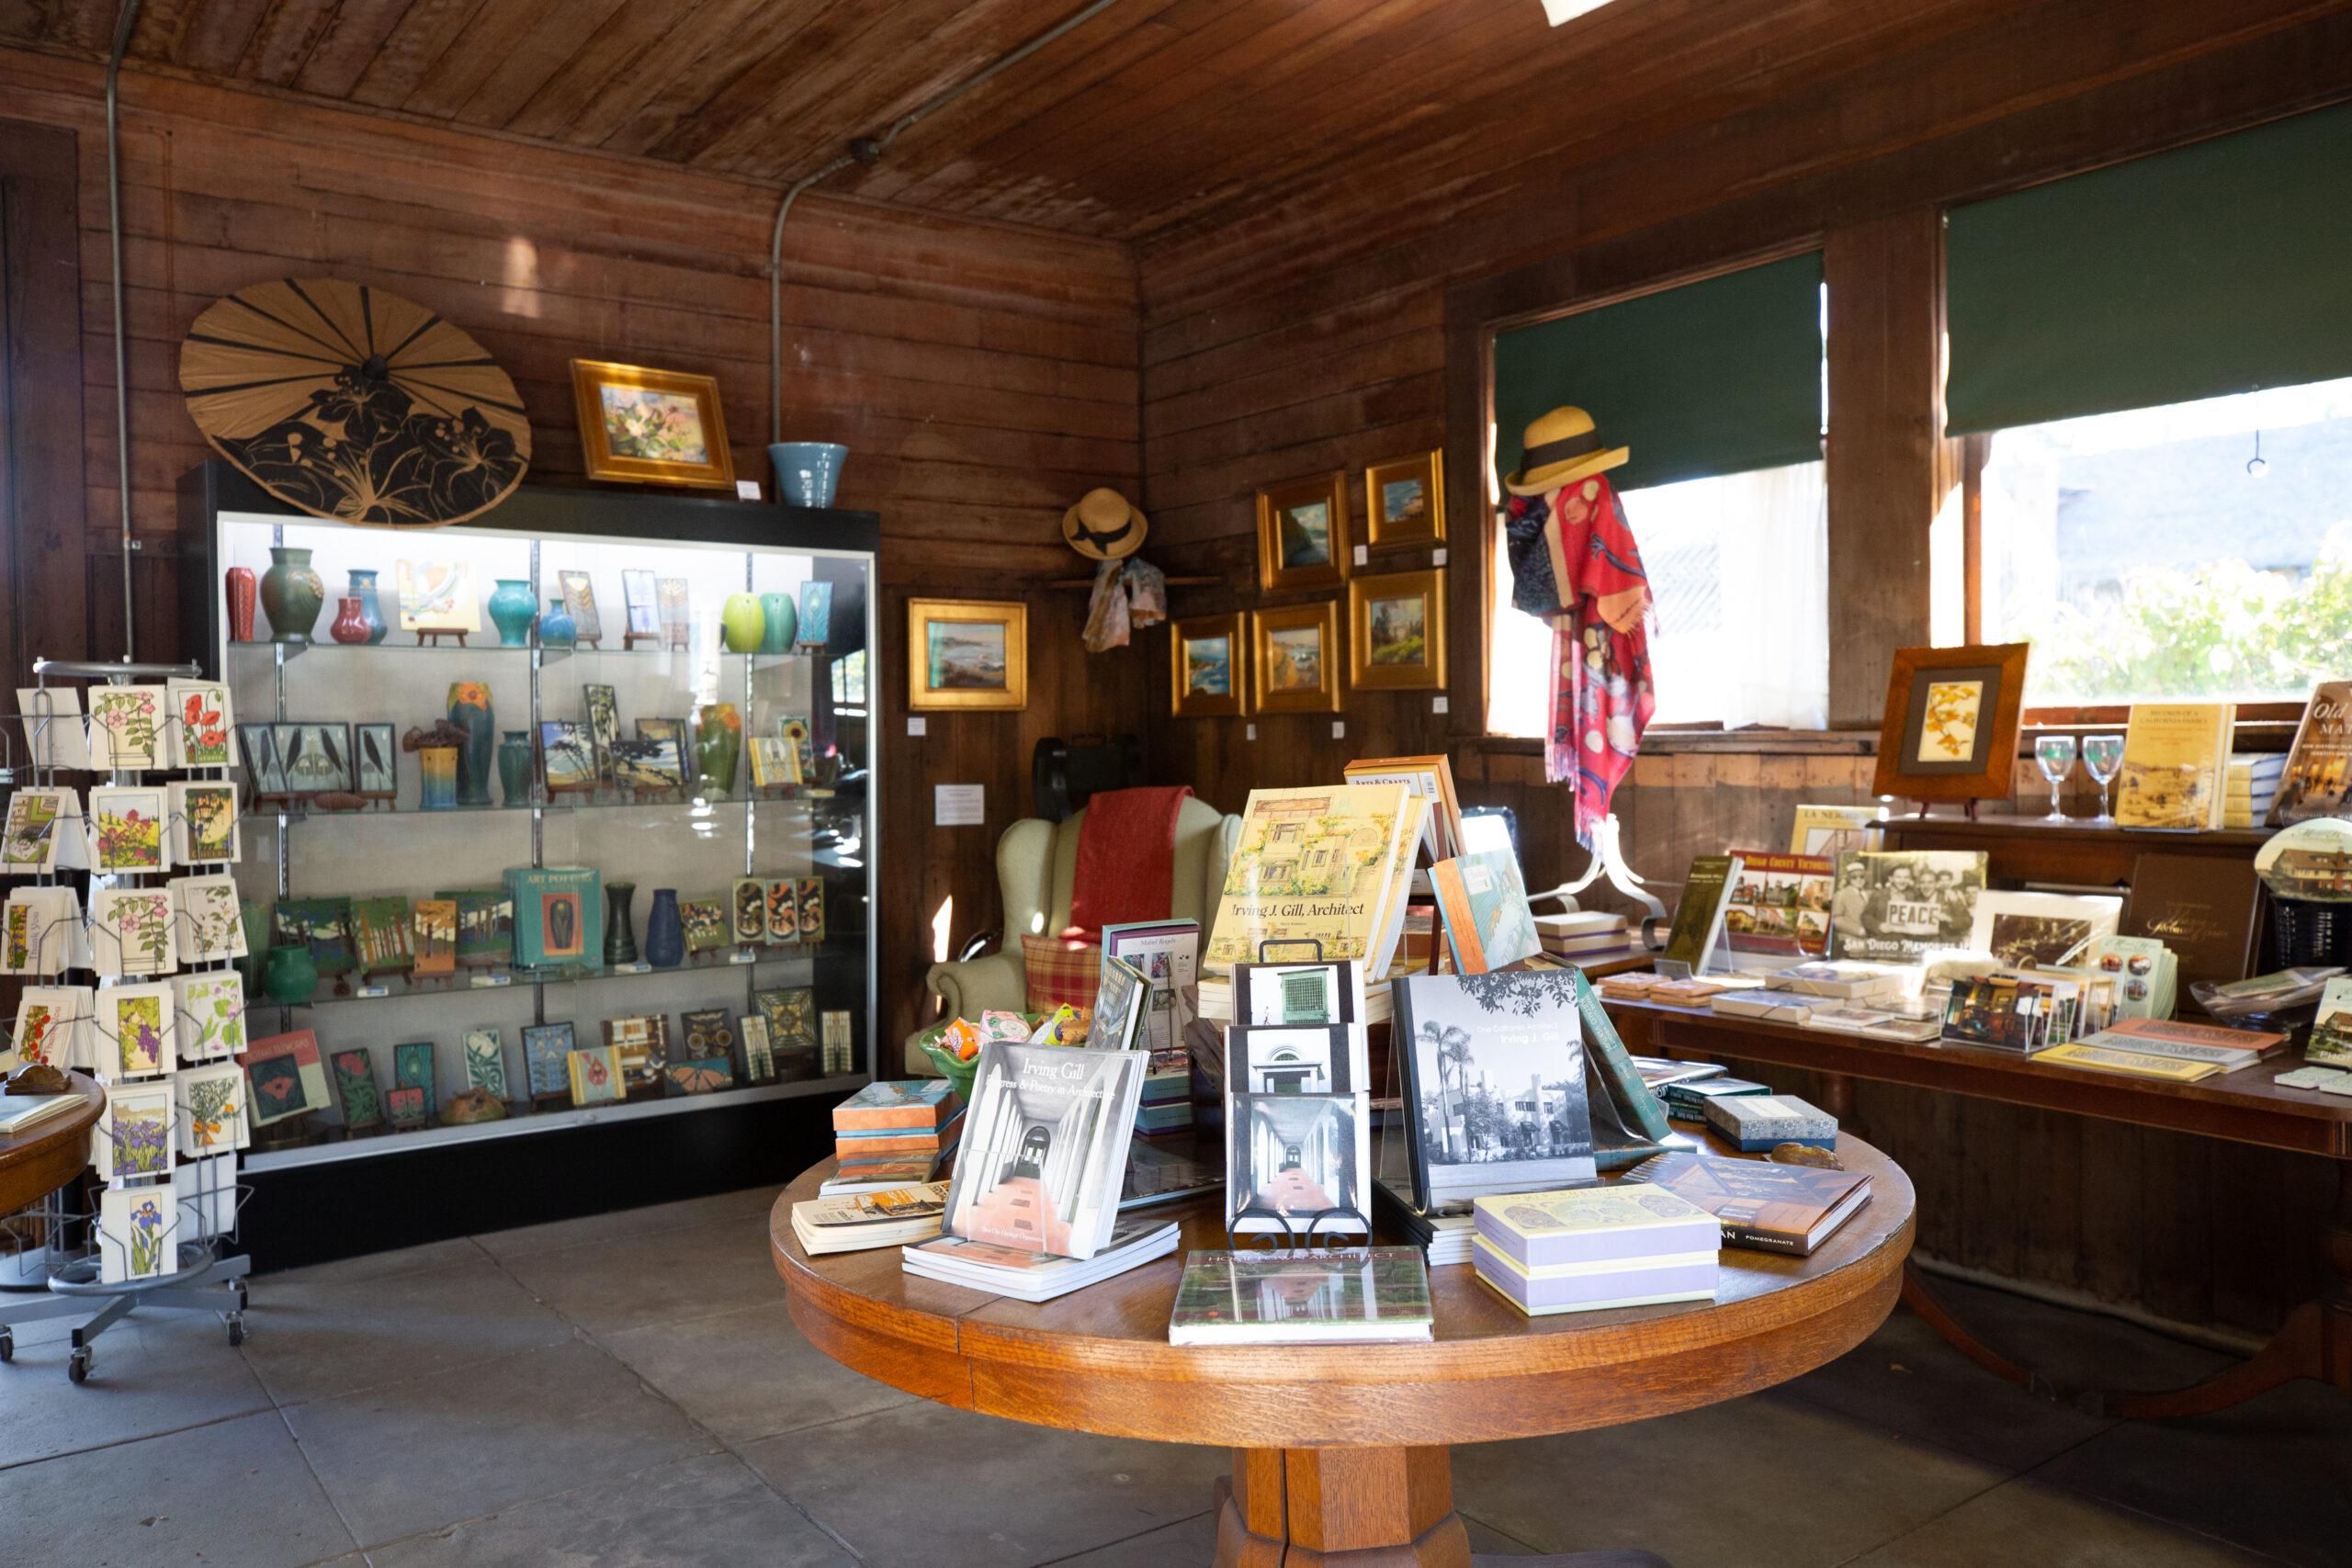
1104 527
1562 446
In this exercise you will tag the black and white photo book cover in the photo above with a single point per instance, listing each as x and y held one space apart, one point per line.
1297 1165
1494 1083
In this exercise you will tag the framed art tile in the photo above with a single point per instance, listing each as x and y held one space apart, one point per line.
137 1233
704 1075
1208 660
1303 533
1404 500
748 910
134 1133
812 908
640 1044
643 602
595 1075
644 766
437 596
283 1077
705 923
412 1066
1294 656
784 910
569 756
1950 731
485 1052
547 1050
706 1031
579 603
355 1084
602 705
316 758
1397 630
408 1108
652 427
966 654
759 1058
375 755
433 937
212 1110
210 1025
262 769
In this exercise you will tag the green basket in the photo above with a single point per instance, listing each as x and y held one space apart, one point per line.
959 1073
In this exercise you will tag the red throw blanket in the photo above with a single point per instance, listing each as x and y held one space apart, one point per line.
1126 858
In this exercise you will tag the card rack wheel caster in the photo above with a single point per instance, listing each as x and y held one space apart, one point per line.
78 1368
236 1328
7 1344
243 1301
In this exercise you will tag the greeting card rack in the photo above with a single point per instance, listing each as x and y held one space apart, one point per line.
170 1252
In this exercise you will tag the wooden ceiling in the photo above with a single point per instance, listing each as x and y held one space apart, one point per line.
1153 118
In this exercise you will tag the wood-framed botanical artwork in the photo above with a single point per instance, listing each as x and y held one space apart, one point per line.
652 427
1950 728
1404 500
1303 532
1397 630
968 654
1208 659
1295 659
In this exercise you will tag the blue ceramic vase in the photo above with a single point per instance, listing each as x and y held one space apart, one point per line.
510 611
783 622
363 588
665 934
807 471
471 711
557 628
515 768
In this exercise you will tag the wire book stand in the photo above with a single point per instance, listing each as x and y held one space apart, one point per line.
183 1261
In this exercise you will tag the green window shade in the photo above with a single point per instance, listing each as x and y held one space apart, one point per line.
2215 268
1713 377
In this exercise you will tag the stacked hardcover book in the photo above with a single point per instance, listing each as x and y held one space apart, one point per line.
891 1134
2165 1049
1027 1276
1166 953
1294 1296
855 1224
1583 933
1595 1248
1758 1124
1771 1208
1688 1102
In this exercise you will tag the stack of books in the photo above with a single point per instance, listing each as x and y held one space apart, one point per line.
1878 1018
869 1220
1167 1104
1688 1102
2253 786
1444 1233
1634 986
1771 1208
2165 1049
1582 934
1595 1248
1773 1007
1135 1240
1848 979
891 1134
1301 1297
1757 1124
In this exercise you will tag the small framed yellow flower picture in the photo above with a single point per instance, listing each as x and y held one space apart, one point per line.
962 654
652 427
1295 658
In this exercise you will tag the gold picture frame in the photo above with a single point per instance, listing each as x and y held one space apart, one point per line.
1206 682
1391 646
1404 500
637 425
1288 672
1303 533
968 654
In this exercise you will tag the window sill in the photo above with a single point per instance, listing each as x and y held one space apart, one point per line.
1736 743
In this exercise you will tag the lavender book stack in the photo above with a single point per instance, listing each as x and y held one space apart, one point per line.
1594 1248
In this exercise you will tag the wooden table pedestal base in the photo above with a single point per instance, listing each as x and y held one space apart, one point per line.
1339 1507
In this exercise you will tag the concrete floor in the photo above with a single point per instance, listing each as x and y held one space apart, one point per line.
628 1390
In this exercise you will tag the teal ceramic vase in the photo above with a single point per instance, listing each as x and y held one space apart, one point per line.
291 594
254 915
743 622
665 933
807 471
438 772
783 620
514 767
620 935
512 609
363 588
469 710
291 976
557 628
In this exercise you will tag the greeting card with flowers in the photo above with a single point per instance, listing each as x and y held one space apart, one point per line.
204 725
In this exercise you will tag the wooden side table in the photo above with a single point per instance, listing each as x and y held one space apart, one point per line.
52 1152
1342 1450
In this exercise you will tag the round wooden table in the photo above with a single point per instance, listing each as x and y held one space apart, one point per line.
52 1152
1342 1449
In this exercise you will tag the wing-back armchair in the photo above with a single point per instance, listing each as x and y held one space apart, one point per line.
1037 862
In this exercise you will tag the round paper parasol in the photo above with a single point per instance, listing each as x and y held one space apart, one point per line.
355 404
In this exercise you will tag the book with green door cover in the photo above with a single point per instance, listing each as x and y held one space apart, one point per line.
1772 1208
1699 915
2318 778
1294 1296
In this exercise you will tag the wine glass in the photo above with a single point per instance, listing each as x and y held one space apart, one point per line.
2103 756
2056 755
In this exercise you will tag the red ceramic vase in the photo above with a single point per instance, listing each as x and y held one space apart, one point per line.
351 622
241 588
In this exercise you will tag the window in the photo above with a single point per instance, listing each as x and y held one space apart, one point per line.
2149 553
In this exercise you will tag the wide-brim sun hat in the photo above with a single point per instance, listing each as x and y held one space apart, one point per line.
1104 527
1560 448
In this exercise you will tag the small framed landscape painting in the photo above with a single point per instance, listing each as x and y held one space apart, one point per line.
962 654
1950 727
1397 630
1303 532
1207 668
1293 657
1404 500
661 426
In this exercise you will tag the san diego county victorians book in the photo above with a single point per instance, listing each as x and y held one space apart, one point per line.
1044 1147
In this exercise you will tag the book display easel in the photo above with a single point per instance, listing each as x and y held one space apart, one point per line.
159 1234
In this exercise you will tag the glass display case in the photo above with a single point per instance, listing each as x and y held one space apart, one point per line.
591 760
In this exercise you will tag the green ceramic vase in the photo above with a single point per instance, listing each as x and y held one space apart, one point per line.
743 622
291 594
291 976
718 745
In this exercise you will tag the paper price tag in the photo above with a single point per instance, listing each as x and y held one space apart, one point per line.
742 955
632 968
372 992
487 981
1363 555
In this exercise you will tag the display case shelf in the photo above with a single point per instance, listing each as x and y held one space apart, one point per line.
397 987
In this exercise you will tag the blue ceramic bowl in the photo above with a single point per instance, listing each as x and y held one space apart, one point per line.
807 471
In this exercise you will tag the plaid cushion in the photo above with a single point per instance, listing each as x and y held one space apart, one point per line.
1061 970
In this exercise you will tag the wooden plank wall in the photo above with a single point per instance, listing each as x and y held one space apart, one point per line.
982 375
1343 331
